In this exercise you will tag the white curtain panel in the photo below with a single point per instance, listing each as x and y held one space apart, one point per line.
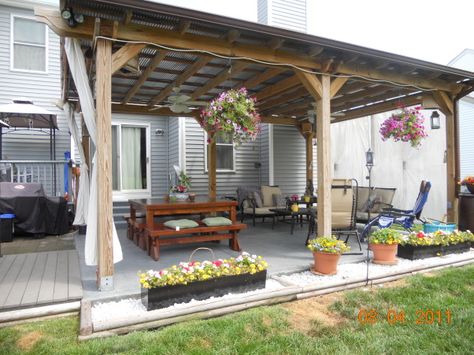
131 163
77 67
82 206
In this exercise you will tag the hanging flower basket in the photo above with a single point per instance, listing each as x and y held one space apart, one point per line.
406 126
233 112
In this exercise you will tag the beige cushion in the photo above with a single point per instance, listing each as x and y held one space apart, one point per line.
342 204
267 193
259 211
181 223
216 221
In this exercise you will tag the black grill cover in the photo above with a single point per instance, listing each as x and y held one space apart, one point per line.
35 212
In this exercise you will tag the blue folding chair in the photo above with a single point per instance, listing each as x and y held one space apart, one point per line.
403 218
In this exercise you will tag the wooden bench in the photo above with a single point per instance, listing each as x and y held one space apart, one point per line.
135 231
161 235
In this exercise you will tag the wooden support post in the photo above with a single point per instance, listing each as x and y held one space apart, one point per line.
104 164
323 134
446 105
212 165
452 201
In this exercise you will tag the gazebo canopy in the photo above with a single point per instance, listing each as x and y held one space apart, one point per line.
205 54
23 114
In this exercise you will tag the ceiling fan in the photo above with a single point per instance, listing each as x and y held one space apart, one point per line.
180 103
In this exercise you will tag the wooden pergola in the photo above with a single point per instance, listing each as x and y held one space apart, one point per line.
288 72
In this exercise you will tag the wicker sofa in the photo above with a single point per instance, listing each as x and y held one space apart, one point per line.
257 201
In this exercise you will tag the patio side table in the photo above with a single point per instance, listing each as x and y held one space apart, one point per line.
295 216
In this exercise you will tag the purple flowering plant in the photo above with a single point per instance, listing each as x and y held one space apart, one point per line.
405 125
232 112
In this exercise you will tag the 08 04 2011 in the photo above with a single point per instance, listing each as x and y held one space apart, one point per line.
396 316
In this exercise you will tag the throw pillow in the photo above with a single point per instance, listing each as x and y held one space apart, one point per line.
258 199
181 223
216 221
267 192
278 200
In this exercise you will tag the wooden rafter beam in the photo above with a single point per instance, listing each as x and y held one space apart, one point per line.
189 72
290 108
260 78
275 43
224 75
315 51
275 101
146 110
124 54
277 88
279 120
183 26
387 95
379 108
348 98
144 76
232 36
444 101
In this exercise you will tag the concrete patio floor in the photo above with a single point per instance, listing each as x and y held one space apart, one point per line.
285 253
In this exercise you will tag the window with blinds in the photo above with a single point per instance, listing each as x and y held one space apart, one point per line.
28 45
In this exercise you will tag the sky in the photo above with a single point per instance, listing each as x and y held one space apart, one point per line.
432 30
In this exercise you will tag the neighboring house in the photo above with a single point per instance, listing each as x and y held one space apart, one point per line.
30 69
465 60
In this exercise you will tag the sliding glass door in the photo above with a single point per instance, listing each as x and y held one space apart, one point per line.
130 160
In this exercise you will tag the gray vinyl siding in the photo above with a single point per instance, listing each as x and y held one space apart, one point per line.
43 89
289 160
245 173
289 14
158 148
262 11
173 143
466 134
265 156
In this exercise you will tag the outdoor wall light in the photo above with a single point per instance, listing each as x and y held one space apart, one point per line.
369 158
159 132
435 120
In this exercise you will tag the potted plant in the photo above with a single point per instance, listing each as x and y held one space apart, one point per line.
384 244
405 125
201 280
232 112
421 245
179 191
468 181
326 253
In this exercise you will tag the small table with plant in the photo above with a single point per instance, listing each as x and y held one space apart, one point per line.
296 216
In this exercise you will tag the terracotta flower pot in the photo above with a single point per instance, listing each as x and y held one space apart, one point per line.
384 253
325 263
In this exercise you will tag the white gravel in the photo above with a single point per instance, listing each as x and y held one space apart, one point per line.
346 273
133 307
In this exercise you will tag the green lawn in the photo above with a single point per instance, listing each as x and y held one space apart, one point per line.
303 327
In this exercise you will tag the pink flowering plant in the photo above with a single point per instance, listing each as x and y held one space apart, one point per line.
406 126
184 273
232 112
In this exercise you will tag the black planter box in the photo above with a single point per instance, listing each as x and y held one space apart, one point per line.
421 252
162 297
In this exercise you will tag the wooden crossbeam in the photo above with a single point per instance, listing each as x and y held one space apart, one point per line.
190 71
275 101
303 105
289 121
224 75
345 99
444 101
379 108
144 76
277 88
386 95
183 26
337 84
311 83
146 110
124 54
260 78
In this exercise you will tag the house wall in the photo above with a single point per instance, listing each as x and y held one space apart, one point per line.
289 14
246 155
466 132
42 89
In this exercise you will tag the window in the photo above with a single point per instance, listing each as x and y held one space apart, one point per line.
225 152
28 45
